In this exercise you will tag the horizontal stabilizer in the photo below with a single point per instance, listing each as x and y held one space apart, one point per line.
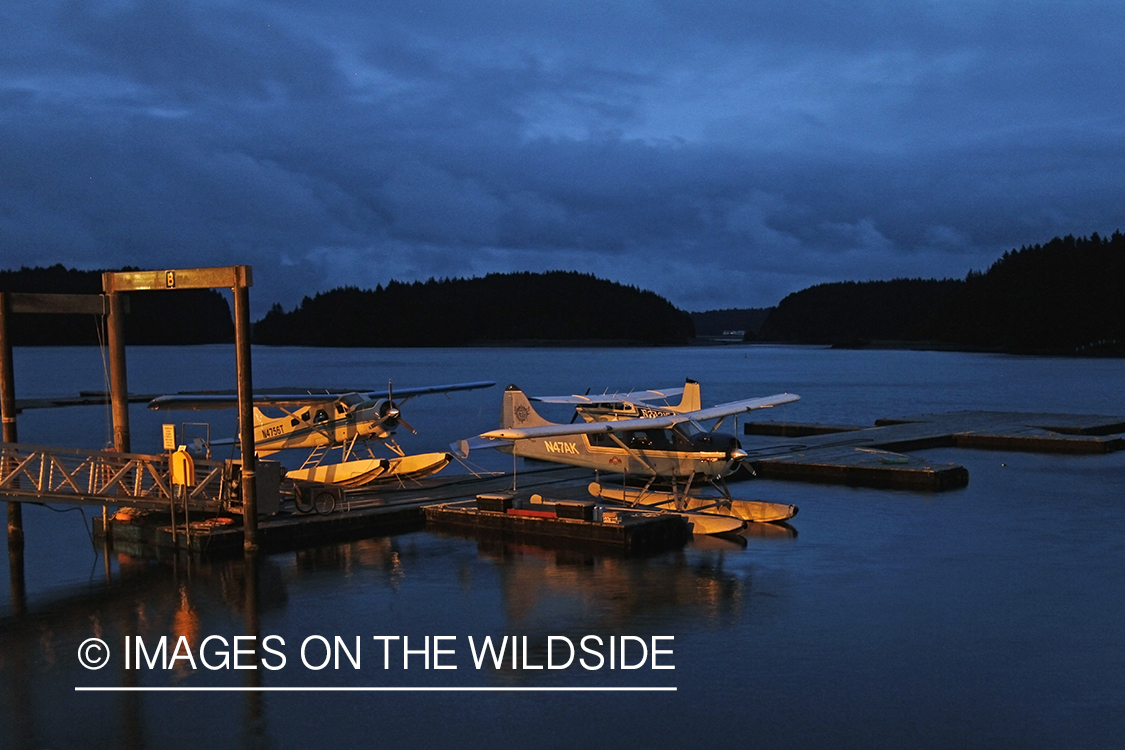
461 448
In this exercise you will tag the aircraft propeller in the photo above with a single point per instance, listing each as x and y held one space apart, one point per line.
392 417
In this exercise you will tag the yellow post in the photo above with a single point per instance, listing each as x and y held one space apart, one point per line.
182 467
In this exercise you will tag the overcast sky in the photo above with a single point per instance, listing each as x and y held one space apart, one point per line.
722 154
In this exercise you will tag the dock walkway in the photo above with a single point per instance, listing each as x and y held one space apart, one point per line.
76 476
875 456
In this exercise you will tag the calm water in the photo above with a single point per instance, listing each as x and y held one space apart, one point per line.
984 617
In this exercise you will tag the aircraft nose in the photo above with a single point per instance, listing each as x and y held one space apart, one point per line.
737 454
388 410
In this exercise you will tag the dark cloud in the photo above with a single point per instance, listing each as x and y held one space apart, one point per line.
722 154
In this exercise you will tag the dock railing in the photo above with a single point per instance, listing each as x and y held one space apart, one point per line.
35 473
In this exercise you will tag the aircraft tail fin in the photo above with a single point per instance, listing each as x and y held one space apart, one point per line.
516 410
690 400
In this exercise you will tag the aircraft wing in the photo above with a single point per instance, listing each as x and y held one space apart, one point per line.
226 401
633 397
622 425
229 401
405 393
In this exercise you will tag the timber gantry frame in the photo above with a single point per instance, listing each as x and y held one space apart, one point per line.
112 305
239 280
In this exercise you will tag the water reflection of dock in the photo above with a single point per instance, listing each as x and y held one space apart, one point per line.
874 456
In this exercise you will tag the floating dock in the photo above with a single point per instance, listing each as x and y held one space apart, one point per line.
875 456
443 502
385 509
580 522
151 531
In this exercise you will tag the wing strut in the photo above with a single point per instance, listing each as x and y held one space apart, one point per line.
633 452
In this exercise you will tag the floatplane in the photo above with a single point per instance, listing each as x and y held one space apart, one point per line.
324 422
673 448
632 405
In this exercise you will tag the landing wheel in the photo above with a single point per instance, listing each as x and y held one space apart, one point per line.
303 498
325 502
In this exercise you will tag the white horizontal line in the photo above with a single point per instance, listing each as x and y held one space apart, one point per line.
283 689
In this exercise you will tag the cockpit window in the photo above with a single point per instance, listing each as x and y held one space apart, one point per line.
689 429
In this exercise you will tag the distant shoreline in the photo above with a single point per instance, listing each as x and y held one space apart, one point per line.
1114 351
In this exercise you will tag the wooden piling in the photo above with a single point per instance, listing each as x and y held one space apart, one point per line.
8 414
118 386
245 415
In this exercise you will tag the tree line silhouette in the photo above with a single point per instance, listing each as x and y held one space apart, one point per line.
1064 297
558 306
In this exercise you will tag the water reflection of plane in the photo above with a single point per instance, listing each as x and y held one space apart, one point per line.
576 593
321 422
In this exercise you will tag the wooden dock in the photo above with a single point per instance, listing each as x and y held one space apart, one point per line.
378 510
877 456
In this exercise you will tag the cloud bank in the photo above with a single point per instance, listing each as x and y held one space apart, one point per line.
720 154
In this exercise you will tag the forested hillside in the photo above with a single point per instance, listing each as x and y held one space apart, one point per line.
1064 297
1067 296
517 307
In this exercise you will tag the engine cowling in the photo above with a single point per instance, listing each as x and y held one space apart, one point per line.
388 413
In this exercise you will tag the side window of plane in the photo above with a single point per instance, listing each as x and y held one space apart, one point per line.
321 416
305 416
640 440
294 422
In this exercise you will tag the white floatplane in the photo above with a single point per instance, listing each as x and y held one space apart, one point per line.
323 422
673 448
632 405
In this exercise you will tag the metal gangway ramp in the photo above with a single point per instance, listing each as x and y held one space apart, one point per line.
43 474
